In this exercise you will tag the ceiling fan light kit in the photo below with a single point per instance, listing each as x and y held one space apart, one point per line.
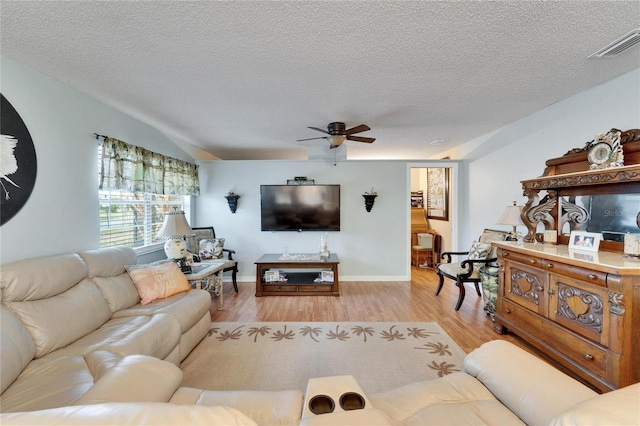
336 140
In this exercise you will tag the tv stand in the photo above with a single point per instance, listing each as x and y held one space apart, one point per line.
297 275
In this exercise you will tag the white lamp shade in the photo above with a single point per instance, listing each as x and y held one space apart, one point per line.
511 216
175 225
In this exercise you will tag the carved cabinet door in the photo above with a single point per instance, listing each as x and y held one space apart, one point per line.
526 286
580 306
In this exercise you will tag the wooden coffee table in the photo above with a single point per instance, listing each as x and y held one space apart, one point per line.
301 274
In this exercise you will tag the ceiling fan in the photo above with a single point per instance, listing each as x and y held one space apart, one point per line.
338 133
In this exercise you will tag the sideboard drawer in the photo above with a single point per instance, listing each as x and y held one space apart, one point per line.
588 275
579 351
520 258
277 288
317 288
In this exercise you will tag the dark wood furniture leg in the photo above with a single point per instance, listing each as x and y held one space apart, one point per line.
460 286
440 284
233 277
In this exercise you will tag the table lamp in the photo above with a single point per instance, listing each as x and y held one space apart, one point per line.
511 217
174 229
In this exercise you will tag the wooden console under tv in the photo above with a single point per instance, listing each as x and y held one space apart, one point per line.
300 276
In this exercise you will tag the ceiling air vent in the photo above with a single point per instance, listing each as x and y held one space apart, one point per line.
617 47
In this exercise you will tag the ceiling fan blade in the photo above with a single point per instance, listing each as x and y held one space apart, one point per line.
357 129
320 130
360 139
310 139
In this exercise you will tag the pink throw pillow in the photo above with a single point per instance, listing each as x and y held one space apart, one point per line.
158 280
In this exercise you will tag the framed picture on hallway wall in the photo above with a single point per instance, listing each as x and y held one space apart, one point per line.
438 193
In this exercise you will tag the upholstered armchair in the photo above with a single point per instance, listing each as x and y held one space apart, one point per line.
480 254
208 233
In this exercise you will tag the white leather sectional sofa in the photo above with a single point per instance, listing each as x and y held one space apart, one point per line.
79 349
75 339
67 319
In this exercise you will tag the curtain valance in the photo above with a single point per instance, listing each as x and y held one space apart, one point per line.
135 169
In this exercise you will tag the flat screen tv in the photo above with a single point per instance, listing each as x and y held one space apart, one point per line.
300 207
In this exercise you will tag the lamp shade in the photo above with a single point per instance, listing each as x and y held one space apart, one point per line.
511 216
175 225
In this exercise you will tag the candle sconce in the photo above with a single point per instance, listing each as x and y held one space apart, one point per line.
369 199
232 199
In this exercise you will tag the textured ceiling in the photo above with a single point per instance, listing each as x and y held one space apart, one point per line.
243 80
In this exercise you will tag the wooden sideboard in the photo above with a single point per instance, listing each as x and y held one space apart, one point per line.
582 309
579 308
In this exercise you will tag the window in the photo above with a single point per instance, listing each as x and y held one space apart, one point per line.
134 219
137 187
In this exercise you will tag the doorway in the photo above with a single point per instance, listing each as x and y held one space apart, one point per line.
432 189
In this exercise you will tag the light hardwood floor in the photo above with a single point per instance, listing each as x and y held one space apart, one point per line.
371 301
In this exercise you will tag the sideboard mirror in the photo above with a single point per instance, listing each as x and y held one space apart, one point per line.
611 215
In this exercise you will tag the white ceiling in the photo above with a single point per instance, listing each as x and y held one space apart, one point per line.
243 80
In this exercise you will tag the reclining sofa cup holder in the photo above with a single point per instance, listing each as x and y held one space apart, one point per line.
324 404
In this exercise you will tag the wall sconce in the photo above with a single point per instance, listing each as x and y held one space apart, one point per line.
369 198
232 199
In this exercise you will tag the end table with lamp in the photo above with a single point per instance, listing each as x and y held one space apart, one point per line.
174 229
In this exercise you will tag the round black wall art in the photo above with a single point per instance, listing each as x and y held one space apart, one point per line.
18 163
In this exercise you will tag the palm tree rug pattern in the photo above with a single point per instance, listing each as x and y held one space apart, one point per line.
285 355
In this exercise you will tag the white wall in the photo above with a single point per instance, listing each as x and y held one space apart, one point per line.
370 245
519 151
62 213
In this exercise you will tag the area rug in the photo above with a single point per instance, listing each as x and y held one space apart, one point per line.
285 355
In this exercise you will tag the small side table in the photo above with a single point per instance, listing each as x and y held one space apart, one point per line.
209 272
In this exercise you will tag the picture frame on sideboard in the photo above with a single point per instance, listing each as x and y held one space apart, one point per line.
585 241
